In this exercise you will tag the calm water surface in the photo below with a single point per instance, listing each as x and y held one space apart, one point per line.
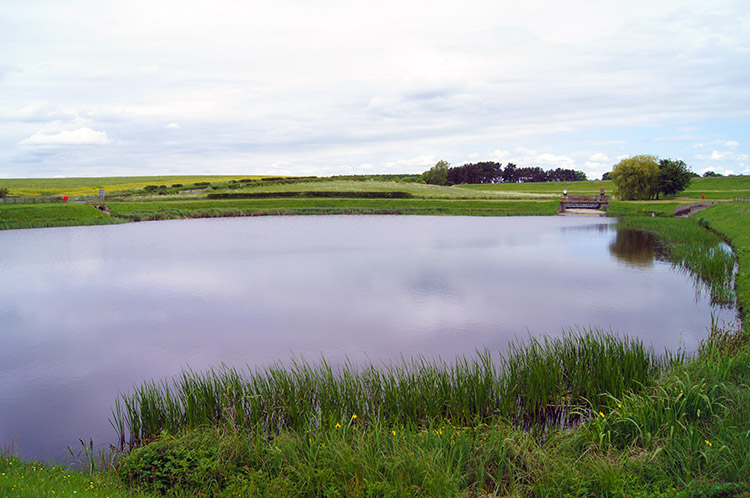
87 312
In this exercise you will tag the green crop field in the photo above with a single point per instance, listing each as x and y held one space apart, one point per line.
111 185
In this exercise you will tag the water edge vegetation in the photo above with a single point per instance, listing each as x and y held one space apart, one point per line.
682 431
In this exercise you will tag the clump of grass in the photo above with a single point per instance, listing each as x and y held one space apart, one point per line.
732 219
693 423
688 245
536 383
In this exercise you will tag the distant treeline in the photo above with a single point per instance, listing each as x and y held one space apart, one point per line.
492 172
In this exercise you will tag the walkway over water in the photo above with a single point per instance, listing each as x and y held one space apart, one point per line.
598 202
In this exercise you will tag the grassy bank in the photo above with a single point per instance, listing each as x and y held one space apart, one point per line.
156 210
534 385
732 221
161 198
685 435
51 215
14 216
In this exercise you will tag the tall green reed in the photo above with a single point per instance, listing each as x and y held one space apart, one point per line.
536 383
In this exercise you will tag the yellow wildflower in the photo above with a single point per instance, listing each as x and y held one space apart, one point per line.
354 416
601 414
393 432
338 426
708 442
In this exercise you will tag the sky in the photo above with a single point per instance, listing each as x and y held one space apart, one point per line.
331 87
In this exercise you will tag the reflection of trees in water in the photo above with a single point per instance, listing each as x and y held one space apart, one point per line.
634 248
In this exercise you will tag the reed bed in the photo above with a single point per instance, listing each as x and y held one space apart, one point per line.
699 252
537 383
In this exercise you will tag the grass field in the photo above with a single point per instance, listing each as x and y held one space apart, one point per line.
154 210
715 188
553 188
419 190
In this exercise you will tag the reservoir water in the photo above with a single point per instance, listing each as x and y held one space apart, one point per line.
88 312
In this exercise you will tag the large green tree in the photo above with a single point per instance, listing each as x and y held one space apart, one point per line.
438 174
636 178
674 176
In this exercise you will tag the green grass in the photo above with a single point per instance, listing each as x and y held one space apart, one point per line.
151 210
732 220
19 478
51 215
619 209
546 188
717 188
419 190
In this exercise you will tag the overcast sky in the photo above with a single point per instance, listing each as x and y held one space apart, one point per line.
322 87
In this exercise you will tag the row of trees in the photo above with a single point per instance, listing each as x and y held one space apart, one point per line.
491 172
645 177
635 178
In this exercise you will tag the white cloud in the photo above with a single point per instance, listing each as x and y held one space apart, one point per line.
529 157
559 161
425 161
151 69
298 84
81 136
39 112
500 155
